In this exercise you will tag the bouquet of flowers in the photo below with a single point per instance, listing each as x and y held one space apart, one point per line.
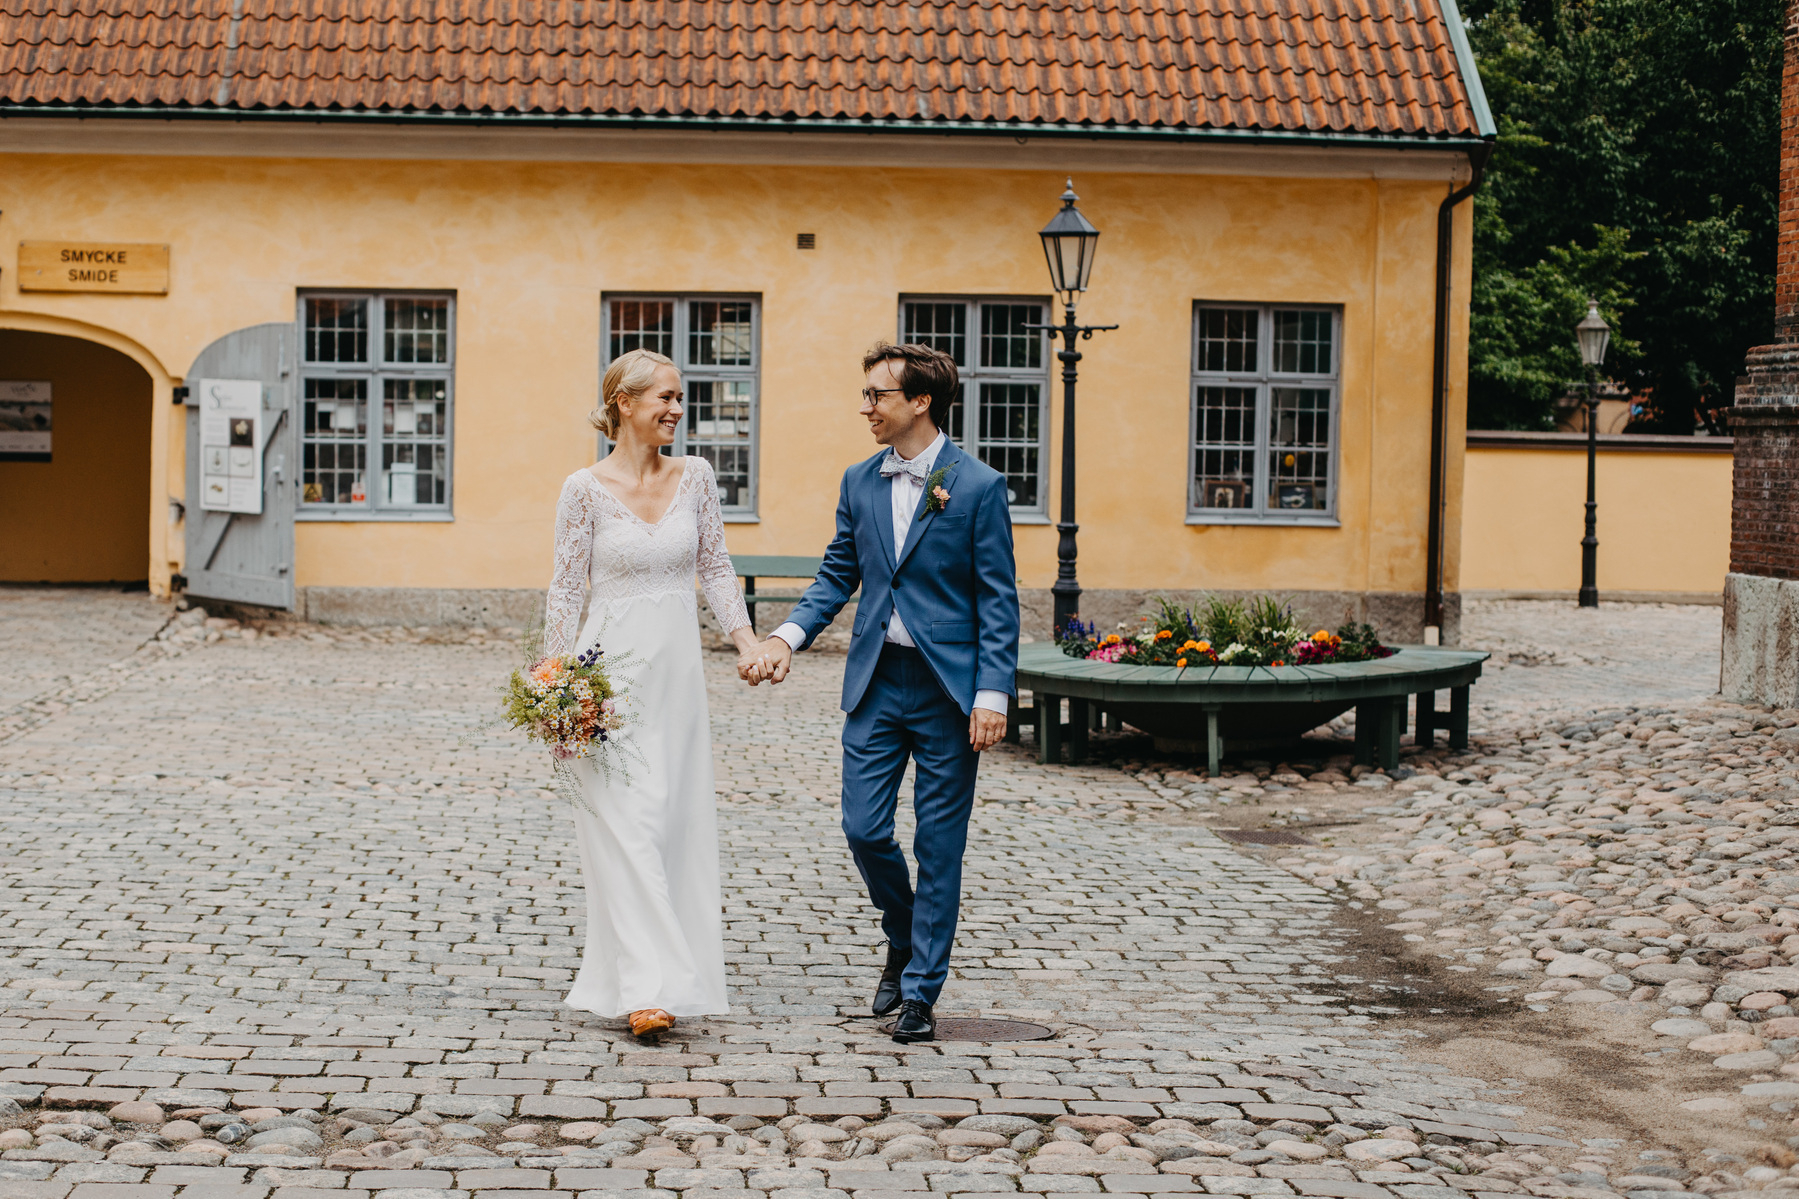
1260 631
568 702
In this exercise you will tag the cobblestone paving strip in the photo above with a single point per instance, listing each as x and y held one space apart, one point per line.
288 917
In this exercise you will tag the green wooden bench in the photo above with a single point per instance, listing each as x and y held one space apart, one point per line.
1214 702
751 567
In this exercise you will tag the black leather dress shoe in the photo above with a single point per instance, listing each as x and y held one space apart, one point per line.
887 993
915 1023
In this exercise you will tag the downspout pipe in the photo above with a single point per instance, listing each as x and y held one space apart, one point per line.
1439 388
1478 156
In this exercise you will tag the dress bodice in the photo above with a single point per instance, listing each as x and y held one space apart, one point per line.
602 544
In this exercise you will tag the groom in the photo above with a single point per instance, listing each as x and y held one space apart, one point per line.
924 530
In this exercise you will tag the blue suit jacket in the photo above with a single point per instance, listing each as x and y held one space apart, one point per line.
954 582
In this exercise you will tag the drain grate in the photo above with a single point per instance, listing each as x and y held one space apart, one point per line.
1263 836
986 1030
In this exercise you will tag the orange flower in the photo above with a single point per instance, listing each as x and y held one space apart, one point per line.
1164 635
1278 662
1180 662
1112 639
546 671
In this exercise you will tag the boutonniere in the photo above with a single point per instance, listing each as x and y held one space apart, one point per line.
935 496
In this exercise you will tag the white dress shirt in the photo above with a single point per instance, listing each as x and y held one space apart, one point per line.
907 491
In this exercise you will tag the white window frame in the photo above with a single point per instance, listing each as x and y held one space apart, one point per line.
741 513
1264 380
375 370
974 376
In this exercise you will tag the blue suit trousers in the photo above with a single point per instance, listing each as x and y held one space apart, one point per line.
905 713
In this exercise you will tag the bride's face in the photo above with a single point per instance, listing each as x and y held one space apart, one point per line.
654 417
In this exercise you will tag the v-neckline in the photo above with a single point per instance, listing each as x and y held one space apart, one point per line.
619 500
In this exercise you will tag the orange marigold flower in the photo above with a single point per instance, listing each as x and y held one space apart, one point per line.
1321 636
1164 635
1278 662
1202 645
1180 662
1112 639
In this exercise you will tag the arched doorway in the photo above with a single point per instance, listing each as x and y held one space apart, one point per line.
82 516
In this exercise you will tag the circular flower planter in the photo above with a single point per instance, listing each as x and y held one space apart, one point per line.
1213 706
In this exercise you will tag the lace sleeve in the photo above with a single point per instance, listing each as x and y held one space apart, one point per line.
718 578
575 519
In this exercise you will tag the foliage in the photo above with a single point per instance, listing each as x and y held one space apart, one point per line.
1636 162
1259 631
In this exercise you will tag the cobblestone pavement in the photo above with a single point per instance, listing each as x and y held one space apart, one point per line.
282 915
42 659
1555 657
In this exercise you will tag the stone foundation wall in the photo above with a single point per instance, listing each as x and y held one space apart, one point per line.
1761 641
1398 615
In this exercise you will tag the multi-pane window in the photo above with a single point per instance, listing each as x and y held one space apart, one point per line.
1002 414
1264 407
375 382
714 340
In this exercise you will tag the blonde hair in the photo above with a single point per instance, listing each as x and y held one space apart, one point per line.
629 376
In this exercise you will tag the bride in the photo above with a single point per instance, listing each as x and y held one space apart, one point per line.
636 527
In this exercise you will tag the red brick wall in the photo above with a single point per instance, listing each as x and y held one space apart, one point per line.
1764 505
1786 285
1764 517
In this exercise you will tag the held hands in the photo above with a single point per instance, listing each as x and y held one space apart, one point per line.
768 661
985 728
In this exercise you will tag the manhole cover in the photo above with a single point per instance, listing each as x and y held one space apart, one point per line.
1263 836
986 1030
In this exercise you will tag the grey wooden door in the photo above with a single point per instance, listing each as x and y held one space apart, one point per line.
235 556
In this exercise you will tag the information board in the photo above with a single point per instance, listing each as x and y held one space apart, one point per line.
24 420
231 445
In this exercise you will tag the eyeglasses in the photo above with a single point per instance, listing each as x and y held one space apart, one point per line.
872 395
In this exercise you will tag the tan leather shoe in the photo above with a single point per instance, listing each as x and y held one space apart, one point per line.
650 1023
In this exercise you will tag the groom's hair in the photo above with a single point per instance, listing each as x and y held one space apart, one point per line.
922 370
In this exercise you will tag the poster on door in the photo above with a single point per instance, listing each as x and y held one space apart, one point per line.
231 445
24 420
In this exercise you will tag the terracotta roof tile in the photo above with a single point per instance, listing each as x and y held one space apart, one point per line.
1350 66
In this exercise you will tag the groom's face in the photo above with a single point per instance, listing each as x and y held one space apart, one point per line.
892 413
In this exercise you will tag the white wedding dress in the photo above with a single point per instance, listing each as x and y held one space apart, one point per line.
650 855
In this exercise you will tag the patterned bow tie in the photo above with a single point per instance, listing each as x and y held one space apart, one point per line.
893 464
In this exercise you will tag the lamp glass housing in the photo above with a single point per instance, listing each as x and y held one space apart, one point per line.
1594 334
1069 242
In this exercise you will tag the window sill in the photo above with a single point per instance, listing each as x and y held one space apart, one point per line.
1031 518
742 518
1318 521
351 515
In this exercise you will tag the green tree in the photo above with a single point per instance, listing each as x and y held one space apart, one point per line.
1636 162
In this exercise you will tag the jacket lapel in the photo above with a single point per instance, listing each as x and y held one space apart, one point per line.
948 459
880 498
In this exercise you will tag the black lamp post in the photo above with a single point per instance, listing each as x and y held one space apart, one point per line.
1069 241
1594 335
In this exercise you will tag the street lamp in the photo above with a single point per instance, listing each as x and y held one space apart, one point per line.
1594 335
1069 242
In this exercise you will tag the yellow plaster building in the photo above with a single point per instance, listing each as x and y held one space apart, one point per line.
424 283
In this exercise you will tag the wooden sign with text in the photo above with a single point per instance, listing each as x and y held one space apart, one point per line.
93 266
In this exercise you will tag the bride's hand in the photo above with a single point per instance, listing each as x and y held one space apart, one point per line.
752 667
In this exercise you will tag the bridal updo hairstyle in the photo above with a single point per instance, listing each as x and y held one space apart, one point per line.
629 376
921 370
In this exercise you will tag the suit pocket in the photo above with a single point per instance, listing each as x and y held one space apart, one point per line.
856 625
953 524
944 632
